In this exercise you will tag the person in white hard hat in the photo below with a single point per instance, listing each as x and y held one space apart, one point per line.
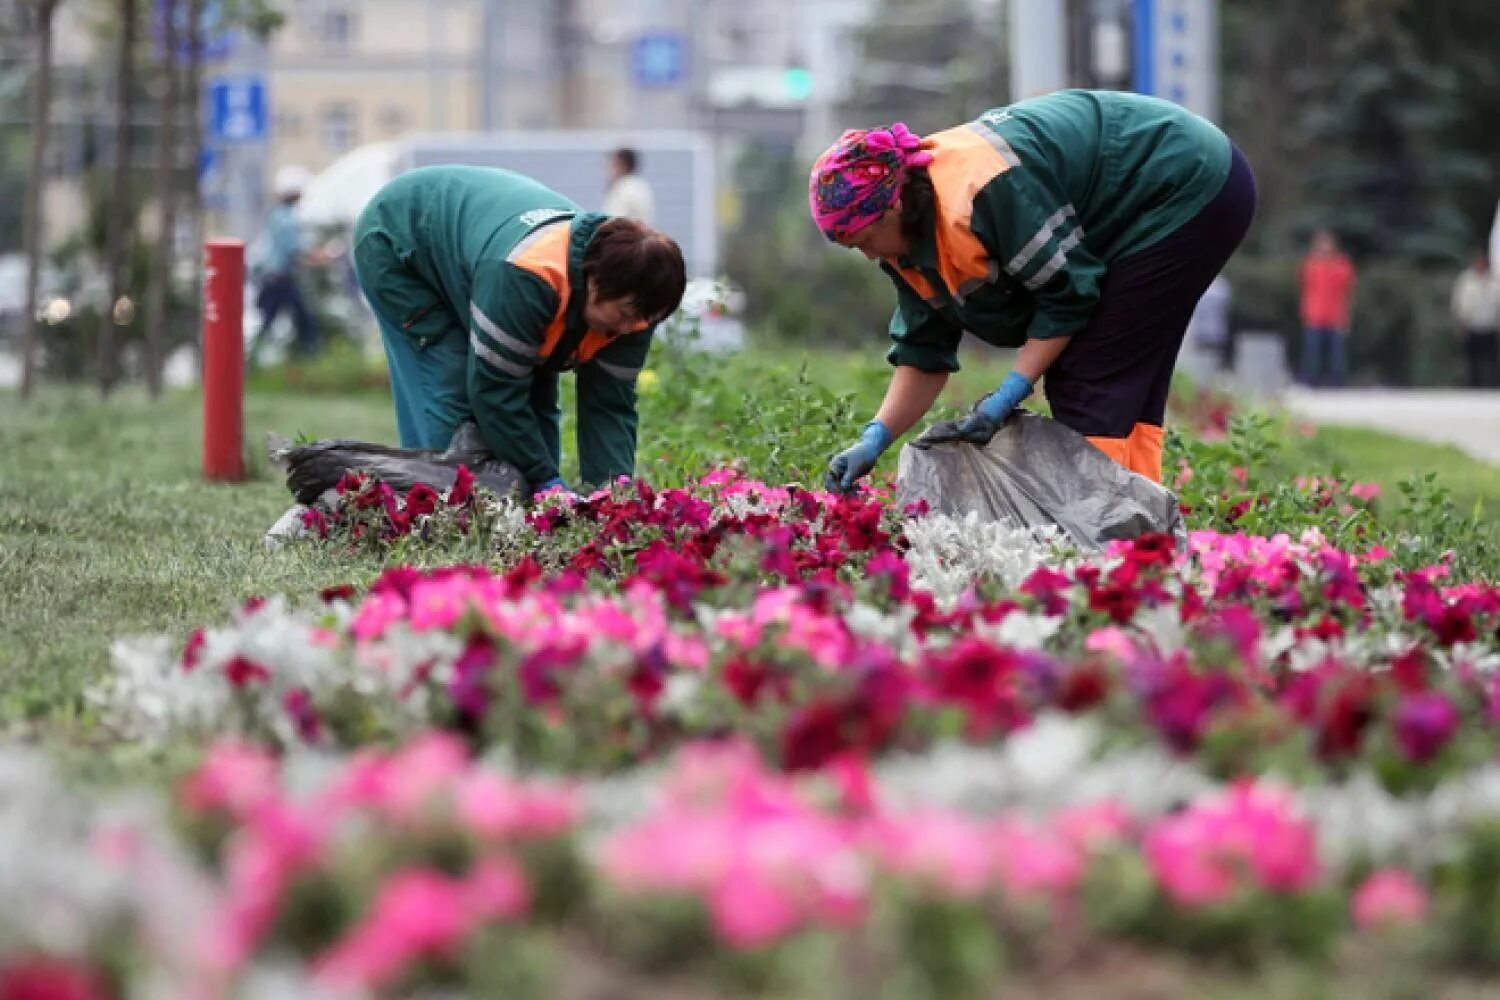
284 252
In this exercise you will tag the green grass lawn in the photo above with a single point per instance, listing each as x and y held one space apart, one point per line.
1373 456
107 528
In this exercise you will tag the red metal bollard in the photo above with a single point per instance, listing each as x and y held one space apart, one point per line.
224 361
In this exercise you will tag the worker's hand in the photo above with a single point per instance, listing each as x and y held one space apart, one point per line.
555 485
850 464
989 414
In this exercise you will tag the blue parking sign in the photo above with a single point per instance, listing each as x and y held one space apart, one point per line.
238 110
658 60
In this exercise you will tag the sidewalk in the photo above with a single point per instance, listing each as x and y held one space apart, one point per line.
1468 420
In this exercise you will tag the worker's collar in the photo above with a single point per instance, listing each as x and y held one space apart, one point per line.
923 251
581 234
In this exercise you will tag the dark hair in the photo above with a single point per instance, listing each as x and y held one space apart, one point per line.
917 198
627 158
630 262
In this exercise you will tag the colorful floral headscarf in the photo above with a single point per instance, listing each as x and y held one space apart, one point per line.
860 176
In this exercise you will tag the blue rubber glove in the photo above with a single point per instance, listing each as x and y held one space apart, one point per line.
853 462
989 413
555 483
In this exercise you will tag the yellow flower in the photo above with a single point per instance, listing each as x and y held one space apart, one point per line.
646 382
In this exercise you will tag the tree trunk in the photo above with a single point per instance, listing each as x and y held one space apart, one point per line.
193 101
120 207
41 112
159 294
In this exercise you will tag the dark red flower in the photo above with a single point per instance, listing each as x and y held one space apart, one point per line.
338 592
1345 715
253 604
299 705
469 688
647 678
813 737
747 679
1083 687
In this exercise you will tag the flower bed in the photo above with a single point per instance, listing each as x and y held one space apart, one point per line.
801 621
416 870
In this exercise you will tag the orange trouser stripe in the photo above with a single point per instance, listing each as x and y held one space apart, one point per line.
1140 452
1145 451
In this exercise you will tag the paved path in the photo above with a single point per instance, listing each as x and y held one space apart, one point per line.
1469 420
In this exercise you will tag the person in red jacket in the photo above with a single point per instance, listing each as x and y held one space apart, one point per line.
1327 290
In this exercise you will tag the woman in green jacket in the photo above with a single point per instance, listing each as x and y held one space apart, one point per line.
1080 227
487 285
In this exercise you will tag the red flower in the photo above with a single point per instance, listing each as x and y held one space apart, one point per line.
462 491
242 671
193 648
982 679
1119 601
1409 670
314 519
421 500
1453 624
1049 588
747 679
41 977
351 482
1152 549
469 689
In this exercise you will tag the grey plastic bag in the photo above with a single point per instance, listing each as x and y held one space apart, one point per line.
1036 472
314 468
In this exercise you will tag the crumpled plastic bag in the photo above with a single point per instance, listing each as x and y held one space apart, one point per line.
1036 472
312 469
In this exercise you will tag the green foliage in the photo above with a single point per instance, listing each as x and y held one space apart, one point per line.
1389 168
800 288
929 63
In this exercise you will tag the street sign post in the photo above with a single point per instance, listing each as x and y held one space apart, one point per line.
1176 52
658 59
238 111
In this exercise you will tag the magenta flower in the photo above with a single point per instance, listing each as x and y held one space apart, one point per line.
1424 724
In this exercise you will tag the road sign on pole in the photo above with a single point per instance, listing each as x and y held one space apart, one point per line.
1176 52
238 111
659 59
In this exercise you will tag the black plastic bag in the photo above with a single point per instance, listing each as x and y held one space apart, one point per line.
1036 472
317 467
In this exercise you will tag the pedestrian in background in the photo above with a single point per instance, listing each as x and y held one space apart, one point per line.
1476 310
628 194
281 254
1327 290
